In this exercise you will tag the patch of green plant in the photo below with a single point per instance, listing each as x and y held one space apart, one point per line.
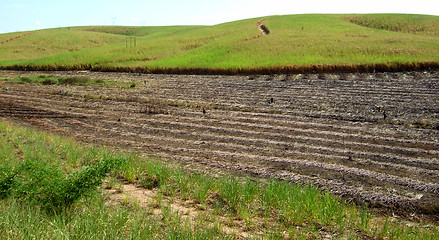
92 218
74 80
417 24
284 205
48 186
33 175
51 80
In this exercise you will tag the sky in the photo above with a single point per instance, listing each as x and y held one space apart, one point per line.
25 15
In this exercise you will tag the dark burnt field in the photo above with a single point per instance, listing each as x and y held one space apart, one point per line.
367 137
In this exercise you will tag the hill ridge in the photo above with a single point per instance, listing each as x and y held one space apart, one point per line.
291 43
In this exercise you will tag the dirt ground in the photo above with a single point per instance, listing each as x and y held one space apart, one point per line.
370 138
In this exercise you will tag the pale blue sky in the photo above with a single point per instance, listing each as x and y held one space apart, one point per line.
23 15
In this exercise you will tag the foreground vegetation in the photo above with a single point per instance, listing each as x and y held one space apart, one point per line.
50 187
296 43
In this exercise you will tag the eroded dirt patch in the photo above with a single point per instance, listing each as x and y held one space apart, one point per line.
152 202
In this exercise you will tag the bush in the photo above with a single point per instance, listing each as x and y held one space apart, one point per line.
49 187
74 80
48 82
25 80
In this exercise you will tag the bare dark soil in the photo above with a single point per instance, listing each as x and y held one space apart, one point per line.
371 138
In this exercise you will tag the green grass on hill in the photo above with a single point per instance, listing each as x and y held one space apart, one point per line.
294 40
415 24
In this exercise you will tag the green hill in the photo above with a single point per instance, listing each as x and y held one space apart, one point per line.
294 42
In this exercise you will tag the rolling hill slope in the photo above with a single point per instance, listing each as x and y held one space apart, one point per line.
294 42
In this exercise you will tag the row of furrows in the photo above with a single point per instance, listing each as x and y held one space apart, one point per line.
226 139
297 93
216 128
8 109
416 88
290 112
285 80
346 103
288 137
350 112
193 86
273 128
291 134
181 147
358 85
261 145
351 108
287 95
390 198
354 104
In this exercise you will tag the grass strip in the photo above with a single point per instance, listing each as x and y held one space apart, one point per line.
281 69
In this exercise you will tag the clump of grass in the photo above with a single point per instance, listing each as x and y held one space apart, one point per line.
49 187
48 82
35 178
74 80
25 79
154 108
51 80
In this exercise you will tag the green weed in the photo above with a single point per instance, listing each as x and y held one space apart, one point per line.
51 80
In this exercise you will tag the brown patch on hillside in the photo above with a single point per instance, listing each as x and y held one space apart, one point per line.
262 28
14 38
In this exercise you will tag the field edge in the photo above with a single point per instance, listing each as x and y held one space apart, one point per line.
288 69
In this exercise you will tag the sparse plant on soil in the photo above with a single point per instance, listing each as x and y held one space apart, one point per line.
51 80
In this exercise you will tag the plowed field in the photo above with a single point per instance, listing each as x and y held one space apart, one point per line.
367 137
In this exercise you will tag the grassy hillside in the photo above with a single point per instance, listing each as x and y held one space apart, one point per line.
294 41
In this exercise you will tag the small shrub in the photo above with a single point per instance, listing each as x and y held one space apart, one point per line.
49 187
149 182
48 82
6 182
25 80
154 109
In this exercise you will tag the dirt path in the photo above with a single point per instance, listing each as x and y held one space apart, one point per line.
320 129
14 38
189 210
264 30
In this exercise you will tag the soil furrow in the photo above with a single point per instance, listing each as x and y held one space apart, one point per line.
322 129
406 182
